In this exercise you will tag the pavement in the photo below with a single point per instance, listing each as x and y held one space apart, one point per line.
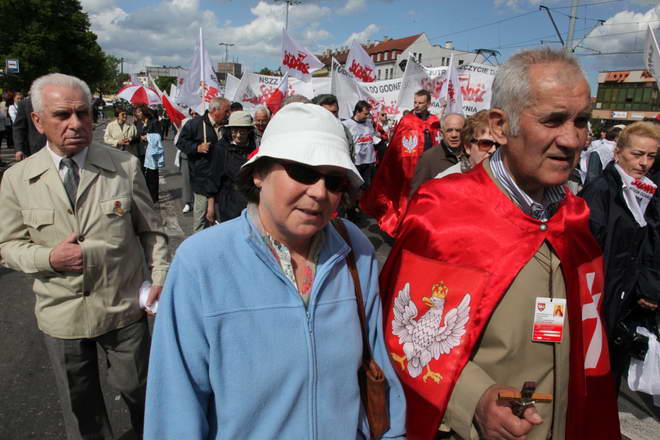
29 407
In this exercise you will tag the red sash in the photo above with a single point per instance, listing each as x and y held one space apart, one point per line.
387 197
461 244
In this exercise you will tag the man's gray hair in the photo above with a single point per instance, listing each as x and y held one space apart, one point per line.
262 109
58 80
296 98
217 103
511 85
444 118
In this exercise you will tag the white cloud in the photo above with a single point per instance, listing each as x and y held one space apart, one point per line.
165 33
352 6
363 35
624 32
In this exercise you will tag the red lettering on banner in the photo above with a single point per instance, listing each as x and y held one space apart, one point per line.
296 62
208 92
361 72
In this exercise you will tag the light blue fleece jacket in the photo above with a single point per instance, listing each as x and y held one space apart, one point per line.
236 355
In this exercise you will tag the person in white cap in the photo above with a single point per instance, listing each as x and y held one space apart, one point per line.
258 335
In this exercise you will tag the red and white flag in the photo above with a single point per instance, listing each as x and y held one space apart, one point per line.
451 95
360 64
652 55
297 60
274 101
200 84
175 114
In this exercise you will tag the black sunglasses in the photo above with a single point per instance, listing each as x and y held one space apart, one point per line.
309 176
485 144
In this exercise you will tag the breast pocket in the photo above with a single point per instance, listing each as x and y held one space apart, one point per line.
39 223
116 214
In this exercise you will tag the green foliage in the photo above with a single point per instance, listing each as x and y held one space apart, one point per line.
112 80
164 83
266 71
49 36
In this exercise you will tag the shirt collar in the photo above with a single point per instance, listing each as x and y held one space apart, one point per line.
552 196
79 158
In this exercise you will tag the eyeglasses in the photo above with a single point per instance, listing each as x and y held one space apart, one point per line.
309 176
485 144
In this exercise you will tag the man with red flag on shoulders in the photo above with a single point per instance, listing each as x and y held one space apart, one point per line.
387 197
482 263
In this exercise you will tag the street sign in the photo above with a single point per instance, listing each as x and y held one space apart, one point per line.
12 65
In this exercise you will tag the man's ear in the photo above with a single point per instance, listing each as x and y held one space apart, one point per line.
499 125
37 122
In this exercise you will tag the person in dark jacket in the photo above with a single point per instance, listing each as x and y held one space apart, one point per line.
237 142
624 218
199 141
27 140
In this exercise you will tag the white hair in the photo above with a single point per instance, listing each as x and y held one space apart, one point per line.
217 103
511 85
58 80
262 109
443 122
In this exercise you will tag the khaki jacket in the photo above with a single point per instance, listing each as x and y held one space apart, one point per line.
506 355
119 231
114 133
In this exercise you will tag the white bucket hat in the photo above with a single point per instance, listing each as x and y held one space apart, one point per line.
239 119
308 134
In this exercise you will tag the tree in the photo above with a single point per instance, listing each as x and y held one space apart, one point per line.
49 36
112 80
165 82
265 71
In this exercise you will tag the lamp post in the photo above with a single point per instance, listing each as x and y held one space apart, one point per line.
288 3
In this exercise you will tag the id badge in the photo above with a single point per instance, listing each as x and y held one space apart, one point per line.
549 315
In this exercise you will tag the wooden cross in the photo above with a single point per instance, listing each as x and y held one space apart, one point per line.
524 399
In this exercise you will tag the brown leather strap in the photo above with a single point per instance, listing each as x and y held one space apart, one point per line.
350 260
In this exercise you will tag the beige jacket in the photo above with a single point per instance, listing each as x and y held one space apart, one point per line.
506 355
115 133
119 231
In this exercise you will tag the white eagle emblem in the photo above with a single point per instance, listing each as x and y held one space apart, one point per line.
409 143
425 339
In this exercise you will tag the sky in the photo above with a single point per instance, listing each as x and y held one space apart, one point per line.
163 32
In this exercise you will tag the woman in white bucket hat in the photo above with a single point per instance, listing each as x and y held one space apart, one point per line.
258 334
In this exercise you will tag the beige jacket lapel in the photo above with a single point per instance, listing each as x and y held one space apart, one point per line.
43 168
97 160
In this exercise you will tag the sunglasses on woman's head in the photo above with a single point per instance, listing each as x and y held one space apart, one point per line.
485 144
308 176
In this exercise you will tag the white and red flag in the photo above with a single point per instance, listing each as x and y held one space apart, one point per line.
297 60
451 96
348 91
360 64
173 112
652 55
200 84
274 101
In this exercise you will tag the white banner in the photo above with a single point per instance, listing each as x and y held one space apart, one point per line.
451 96
386 93
652 55
359 63
297 60
254 90
199 85
348 91
231 85
417 77
476 84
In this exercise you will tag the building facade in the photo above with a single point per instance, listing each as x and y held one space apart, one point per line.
626 95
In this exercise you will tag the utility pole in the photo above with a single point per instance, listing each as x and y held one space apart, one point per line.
227 45
122 65
288 3
571 26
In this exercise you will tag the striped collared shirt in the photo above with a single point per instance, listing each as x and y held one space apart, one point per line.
552 196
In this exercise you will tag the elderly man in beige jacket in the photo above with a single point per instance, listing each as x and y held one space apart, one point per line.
79 217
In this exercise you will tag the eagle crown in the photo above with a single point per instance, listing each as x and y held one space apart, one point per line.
440 290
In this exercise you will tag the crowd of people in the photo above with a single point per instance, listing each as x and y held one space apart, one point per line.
523 252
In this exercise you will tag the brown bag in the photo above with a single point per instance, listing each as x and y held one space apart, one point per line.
373 386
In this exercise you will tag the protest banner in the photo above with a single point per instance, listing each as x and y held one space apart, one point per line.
652 55
359 63
348 91
297 60
199 85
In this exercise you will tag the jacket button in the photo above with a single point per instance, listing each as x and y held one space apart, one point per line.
86 293
543 227
81 239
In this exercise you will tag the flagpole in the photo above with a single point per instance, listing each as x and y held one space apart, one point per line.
201 76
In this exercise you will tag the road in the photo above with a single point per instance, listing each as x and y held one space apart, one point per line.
29 408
